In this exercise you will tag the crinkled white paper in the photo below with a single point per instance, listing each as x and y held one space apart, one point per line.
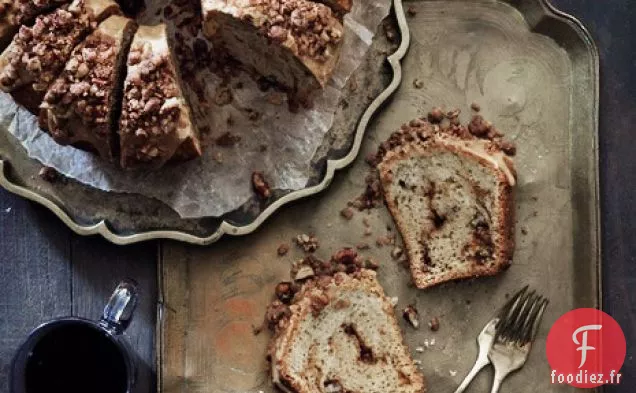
220 181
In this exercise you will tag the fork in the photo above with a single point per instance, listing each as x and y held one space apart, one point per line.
506 340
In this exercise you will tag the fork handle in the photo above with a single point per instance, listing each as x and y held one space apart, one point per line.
479 364
499 377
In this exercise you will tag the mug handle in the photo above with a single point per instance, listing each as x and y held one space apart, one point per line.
119 309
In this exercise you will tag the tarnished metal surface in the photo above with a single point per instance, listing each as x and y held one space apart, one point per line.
534 72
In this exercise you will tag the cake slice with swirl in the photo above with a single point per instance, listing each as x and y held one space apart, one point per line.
450 192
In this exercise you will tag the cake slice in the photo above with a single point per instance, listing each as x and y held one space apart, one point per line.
83 104
295 42
450 194
38 54
13 14
155 125
340 334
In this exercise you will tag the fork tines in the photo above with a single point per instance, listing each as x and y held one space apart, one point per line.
520 317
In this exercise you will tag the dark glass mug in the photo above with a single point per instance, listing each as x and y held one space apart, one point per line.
73 354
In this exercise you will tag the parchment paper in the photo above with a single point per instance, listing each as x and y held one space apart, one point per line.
279 143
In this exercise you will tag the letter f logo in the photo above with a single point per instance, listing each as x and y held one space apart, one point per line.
583 344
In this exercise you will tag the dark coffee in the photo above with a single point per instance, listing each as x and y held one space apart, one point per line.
76 358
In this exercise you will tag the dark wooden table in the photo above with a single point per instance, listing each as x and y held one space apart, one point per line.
47 271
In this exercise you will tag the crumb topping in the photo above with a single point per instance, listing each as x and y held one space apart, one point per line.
151 107
84 86
312 25
439 123
42 49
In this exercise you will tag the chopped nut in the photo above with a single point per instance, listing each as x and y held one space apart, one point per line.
228 139
307 243
433 324
282 249
411 11
371 159
283 292
371 263
396 253
478 126
365 222
410 314
49 174
260 185
508 147
383 241
475 106
347 213
304 272
436 115
363 246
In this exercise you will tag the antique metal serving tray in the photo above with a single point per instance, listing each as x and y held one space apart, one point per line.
129 218
534 71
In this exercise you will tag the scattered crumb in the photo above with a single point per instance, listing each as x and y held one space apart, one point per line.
524 231
262 148
275 98
418 83
534 198
371 159
7 210
394 301
353 85
371 263
410 314
396 253
382 241
433 324
365 222
419 349
436 115
452 373
227 140
222 96
411 11
282 249
429 343
256 330
417 362
253 115
347 213
363 246
260 185
475 106
309 243
49 174
304 272
367 232
389 30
